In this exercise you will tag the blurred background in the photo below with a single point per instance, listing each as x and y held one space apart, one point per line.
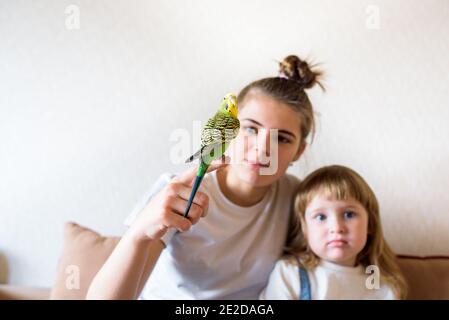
91 92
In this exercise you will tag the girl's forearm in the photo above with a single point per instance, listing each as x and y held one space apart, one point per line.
121 275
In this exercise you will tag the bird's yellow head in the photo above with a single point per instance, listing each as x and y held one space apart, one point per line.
229 105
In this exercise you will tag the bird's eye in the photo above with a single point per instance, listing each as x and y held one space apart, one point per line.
227 107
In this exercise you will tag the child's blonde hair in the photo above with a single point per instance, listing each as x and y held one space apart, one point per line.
342 183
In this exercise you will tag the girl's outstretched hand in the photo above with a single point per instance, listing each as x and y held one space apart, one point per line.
165 209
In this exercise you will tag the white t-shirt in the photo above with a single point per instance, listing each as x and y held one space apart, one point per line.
328 281
228 254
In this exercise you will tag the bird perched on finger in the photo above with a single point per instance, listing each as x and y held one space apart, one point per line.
215 138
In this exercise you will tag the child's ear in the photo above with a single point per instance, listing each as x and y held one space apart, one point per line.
300 151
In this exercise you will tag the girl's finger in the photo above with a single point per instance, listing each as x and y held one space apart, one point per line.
183 192
178 205
174 220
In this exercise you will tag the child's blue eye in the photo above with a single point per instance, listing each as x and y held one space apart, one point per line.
320 217
349 215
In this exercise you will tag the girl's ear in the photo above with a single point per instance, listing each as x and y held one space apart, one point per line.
300 151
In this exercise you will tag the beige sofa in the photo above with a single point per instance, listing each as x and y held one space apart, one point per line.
427 277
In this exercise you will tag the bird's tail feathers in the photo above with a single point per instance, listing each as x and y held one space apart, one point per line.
195 187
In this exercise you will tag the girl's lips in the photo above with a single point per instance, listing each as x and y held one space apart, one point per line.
256 164
337 243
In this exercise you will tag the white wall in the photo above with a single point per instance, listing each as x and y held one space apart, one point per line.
86 114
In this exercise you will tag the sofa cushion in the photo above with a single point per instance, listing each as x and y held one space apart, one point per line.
10 292
84 253
427 277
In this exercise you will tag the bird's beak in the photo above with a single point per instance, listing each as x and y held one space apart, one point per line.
233 109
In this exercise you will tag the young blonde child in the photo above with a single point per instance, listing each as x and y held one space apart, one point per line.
336 247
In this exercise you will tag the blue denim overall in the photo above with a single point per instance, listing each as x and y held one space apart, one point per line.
304 290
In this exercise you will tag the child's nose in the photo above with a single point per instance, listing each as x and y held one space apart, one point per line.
337 226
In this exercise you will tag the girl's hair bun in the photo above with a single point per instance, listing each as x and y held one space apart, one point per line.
293 68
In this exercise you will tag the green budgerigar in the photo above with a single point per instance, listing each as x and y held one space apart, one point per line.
215 138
